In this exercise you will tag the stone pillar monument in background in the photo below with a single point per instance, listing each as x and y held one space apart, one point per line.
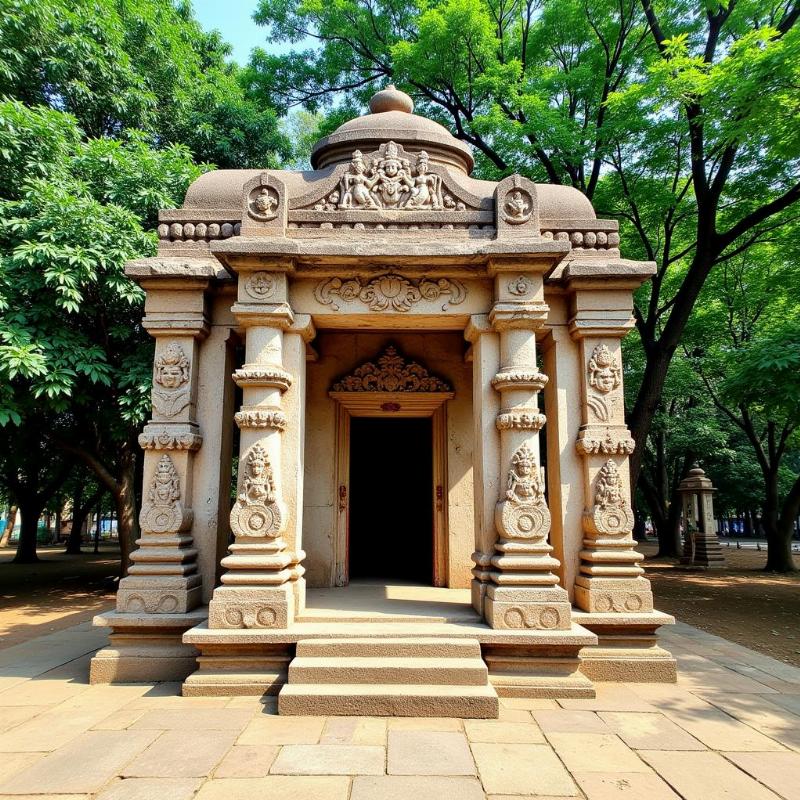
701 546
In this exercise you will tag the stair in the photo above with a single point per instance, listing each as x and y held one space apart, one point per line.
404 677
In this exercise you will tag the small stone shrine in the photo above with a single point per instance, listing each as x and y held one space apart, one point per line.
421 376
701 547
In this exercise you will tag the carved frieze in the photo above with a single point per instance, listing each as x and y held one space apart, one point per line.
391 373
613 443
165 438
523 512
257 375
519 378
389 292
171 393
257 511
162 512
611 513
261 418
520 421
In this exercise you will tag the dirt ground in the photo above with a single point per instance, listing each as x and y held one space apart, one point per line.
740 603
58 592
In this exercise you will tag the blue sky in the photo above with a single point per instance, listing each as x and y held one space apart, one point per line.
234 20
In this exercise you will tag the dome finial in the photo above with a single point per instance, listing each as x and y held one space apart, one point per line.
390 99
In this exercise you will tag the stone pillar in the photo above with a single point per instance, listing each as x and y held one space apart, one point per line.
701 547
524 590
257 587
485 353
610 578
163 574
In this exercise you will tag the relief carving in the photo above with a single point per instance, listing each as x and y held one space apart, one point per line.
611 512
263 204
156 604
532 616
251 616
163 439
261 418
257 511
518 207
263 376
260 285
520 286
604 372
619 602
519 378
391 373
523 512
520 421
390 291
163 512
611 444
172 375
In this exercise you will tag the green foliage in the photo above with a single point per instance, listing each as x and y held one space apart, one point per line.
70 328
136 64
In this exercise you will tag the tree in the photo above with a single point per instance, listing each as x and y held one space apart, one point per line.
678 118
74 359
744 341
117 65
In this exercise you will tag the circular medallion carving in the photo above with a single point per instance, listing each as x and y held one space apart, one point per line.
517 207
259 520
260 285
613 519
234 617
523 520
633 602
161 519
266 617
548 618
263 203
520 286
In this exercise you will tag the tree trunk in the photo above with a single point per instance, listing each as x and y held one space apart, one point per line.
11 521
779 542
125 502
80 511
29 527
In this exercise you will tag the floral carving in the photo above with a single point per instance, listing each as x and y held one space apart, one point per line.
517 207
523 513
391 373
171 376
256 511
263 204
260 285
164 439
520 421
519 378
261 418
390 291
263 376
609 445
163 513
604 371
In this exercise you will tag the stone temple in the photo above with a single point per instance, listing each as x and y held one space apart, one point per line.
387 465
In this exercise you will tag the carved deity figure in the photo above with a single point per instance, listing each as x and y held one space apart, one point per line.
426 187
608 492
525 482
162 512
356 185
393 178
258 483
516 205
172 374
604 371
165 488
264 202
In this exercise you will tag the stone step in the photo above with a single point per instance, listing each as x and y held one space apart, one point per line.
389 647
389 670
418 700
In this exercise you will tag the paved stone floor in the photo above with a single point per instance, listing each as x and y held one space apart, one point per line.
729 729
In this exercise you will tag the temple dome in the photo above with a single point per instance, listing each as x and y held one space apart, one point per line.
391 117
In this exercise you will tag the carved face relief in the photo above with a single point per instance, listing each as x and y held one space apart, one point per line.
162 512
256 511
524 479
172 368
604 371
260 285
263 204
522 513
517 207
608 491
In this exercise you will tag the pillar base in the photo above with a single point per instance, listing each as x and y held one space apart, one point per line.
604 595
627 648
252 607
525 607
706 553
159 594
145 648
550 672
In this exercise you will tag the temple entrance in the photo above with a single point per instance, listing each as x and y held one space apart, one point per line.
391 499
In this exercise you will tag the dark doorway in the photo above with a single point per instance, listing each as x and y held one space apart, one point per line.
391 499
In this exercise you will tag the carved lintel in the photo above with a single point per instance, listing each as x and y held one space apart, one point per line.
390 292
391 373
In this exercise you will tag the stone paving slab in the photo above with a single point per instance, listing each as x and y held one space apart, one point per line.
730 728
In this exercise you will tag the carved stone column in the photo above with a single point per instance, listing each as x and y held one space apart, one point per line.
610 578
163 577
257 589
524 592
